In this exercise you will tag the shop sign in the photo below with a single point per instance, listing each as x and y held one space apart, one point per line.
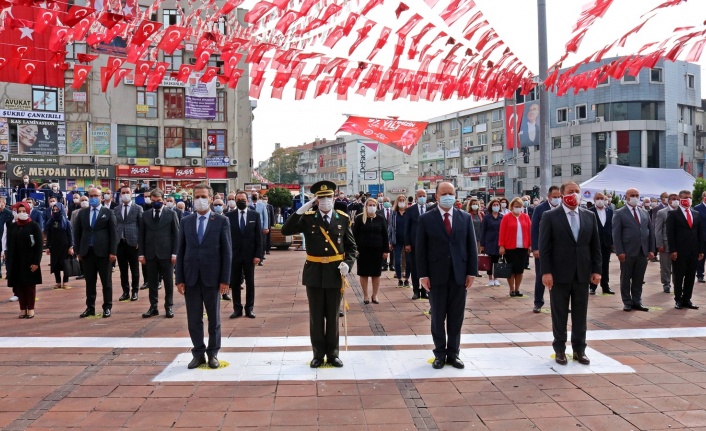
21 158
398 191
454 152
184 173
139 171
474 171
467 129
79 96
143 162
217 162
18 104
32 115
475 149
142 109
433 155
496 148
43 171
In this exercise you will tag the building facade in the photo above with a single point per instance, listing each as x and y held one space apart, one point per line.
323 159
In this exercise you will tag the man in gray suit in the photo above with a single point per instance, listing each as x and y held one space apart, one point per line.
203 273
660 225
159 230
127 217
634 240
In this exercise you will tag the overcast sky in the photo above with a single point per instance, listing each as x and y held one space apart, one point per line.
291 122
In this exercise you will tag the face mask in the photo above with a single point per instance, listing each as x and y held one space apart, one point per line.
157 205
447 201
525 203
26 181
125 198
422 200
22 216
572 199
633 201
386 205
503 205
56 215
496 208
555 202
600 203
402 204
686 203
254 199
474 207
106 196
94 202
341 196
76 201
84 204
218 209
51 204
55 188
516 211
325 204
14 214
674 204
371 210
241 205
380 200
231 203
170 205
654 204
201 204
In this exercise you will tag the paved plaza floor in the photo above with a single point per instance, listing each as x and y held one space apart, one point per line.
60 372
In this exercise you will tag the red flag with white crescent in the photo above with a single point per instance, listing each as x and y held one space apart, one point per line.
44 18
119 74
172 38
399 134
142 71
76 14
184 73
81 72
144 31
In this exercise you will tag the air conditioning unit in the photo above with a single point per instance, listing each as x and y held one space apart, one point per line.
233 162
158 161
4 157
575 122
131 161
698 148
192 61
195 162
600 119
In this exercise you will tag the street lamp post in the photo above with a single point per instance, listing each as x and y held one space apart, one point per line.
545 149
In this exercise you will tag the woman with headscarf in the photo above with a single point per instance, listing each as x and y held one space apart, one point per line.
60 243
22 247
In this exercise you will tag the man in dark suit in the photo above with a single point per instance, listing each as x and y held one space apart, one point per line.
247 248
159 233
203 273
701 209
553 201
604 217
570 250
660 225
634 242
271 220
447 263
108 201
127 217
685 238
410 239
385 211
96 238
26 190
330 253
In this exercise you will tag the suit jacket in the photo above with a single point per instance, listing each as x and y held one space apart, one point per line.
270 216
435 248
628 237
208 260
128 228
411 224
158 240
684 240
247 244
701 209
605 231
536 221
660 224
262 210
565 258
112 205
37 216
103 232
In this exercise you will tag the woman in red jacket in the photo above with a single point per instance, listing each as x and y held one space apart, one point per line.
515 243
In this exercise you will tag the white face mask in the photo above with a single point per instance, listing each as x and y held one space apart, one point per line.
600 203
231 203
371 210
26 180
22 216
402 204
674 204
555 201
125 198
325 204
170 204
201 204
474 207
496 208
503 205
106 196
516 211
76 201
654 204
633 201
84 204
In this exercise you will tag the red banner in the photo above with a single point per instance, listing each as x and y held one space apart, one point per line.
138 171
402 135
184 173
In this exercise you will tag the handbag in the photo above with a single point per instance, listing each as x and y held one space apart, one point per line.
502 269
71 267
483 262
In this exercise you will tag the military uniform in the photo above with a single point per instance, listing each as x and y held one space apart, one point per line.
321 274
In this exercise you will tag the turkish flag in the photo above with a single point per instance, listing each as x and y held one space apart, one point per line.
184 73
119 74
109 19
209 74
172 38
144 31
76 14
81 28
399 134
155 78
58 38
258 11
86 58
44 18
142 70
80 75
28 51
202 59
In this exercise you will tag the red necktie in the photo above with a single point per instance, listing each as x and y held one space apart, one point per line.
637 219
688 218
447 223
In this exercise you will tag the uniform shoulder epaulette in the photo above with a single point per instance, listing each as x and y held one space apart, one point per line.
342 213
310 212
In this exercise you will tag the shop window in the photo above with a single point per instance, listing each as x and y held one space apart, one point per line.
173 142
147 103
173 103
137 141
44 99
75 101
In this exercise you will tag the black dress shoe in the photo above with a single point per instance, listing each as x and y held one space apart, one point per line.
455 362
537 310
608 292
627 307
701 280
80 277
336 362
169 313
592 291
250 314
640 307
582 358
236 314
134 296
225 297
340 313
151 312
678 305
124 297
415 296
196 362
561 359
213 362
88 312
690 305
316 363
144 286
437 364
260 264
424 295
106 314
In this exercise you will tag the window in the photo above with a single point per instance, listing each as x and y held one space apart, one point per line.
483 139
453 143
481 118
656 75
525 155
690 81
171 17
440 145
137 141
436 127
192 143
483 158
147 103
75 101
556 143
74 48
629 79
498 137
537 172
425 148
522 172
173 103
622 111
44 99
556 170
221 104
581 112
603 80
173 142
497 115
215 61
498 158
685 139
467 142
174 60
562 115
453 125
685 114
576 169
575 141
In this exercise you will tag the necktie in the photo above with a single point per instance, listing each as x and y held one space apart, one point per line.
242 221
574 225
93 218
202 219
125 211
634 212
156 215
421 209
688 218
447 223
326 221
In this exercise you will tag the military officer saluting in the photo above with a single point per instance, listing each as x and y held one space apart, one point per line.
331 251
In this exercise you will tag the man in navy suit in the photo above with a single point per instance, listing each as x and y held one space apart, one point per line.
701 209
553 201
447 263
604 216
410 238
203 273
246 240
685 238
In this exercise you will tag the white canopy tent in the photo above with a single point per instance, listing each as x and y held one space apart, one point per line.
650 182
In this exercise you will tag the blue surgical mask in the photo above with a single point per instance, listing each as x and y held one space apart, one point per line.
218 209
447 201
556 201
386 205
496 208
422 200
157 205
94 202
525 203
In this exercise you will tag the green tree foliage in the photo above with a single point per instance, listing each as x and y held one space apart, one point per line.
282 168
699 188
279 197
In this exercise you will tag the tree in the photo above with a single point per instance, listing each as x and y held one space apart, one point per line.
279 197
699 188
282 168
